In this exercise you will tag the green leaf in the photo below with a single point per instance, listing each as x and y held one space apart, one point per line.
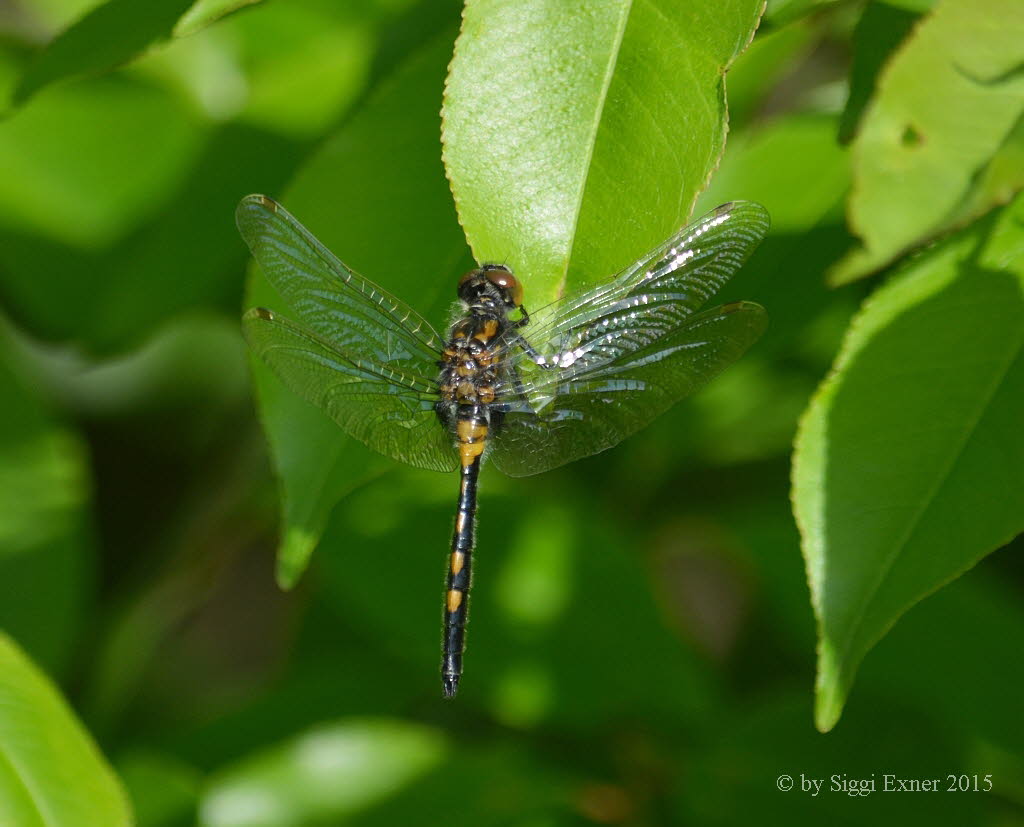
51 772
376 195
322 776
944 106
909 463
578 138
107 36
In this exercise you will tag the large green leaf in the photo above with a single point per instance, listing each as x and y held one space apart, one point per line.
576 138
376 195
944 106
51 772
909 464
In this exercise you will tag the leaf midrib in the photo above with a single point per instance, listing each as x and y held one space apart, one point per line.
592 142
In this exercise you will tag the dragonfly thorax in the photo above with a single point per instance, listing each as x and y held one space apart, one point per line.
470 366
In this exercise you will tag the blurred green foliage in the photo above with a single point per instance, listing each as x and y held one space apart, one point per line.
642 645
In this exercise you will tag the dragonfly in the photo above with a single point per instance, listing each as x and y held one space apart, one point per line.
528 391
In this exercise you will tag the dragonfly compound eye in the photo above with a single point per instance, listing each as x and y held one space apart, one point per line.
502 277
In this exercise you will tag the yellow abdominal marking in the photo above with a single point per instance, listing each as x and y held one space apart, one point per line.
458 561
469 431
454 599
469 451
460 526
472 438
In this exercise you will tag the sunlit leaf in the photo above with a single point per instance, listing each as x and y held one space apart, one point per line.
51 772
564 124
944 106
909 464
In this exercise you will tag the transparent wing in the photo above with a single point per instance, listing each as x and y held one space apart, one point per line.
341 306
583 412
611 359
385 407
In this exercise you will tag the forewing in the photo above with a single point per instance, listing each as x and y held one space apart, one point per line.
654 295
352 313
575 412
383 405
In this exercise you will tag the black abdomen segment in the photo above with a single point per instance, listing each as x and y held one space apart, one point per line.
471 431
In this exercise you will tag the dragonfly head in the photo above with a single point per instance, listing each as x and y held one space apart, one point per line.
491 284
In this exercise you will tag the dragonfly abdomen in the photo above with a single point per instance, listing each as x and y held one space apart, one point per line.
472 423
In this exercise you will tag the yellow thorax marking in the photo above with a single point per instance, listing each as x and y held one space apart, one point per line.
487 332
